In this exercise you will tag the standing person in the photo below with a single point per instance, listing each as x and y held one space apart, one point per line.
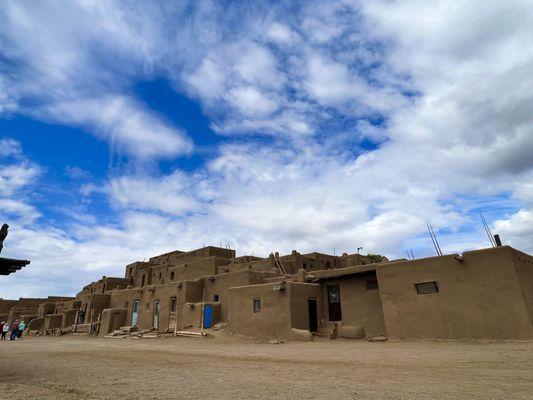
2 326
3 235
22 326
5 328
14 330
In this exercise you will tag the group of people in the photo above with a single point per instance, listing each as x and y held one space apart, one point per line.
17 328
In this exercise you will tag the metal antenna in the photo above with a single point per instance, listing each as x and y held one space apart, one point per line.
433 238
487 230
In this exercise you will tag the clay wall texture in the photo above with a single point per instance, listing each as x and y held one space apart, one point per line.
360 306
299 294
524 269
482 294
479 297
272 321
112 319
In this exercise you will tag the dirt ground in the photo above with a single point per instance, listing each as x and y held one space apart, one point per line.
79 367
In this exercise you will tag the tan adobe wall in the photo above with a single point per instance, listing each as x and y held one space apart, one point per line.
299 307
272 321
219 285
112 319
53 321
97 303
36 324
29 303
479 297
317 262
524 268
46 308
6 305
177 257
69 317
360 306
146 297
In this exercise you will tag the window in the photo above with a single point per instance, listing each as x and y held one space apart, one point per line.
172 304
257 305
372 284
147 306
143 279
427 287
216 297
160 275
172 274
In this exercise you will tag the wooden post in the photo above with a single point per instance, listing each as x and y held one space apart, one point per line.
202 310
76 321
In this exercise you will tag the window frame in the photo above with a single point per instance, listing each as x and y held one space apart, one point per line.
256 305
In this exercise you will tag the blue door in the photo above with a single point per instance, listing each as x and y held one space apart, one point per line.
135 313
208 316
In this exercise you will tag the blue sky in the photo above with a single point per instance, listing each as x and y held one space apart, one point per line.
128 129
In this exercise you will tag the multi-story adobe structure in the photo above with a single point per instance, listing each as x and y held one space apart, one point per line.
27 309
485 293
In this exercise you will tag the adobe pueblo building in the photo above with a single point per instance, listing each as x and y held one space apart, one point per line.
480 294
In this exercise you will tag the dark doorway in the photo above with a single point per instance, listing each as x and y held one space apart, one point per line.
313 314
334 303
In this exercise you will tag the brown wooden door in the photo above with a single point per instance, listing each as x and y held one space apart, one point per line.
334 303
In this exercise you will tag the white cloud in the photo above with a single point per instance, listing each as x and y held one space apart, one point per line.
14 177
170 194
251 102
10 148
281 33
445 90
125 124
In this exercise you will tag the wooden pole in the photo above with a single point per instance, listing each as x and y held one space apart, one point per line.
202 310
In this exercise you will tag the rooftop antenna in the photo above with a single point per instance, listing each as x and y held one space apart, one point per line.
433 238
487 230
359 248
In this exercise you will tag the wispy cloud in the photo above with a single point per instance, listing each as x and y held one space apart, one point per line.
345 124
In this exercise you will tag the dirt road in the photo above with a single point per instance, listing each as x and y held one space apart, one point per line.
78 367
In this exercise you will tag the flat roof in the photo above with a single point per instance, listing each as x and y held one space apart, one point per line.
10 265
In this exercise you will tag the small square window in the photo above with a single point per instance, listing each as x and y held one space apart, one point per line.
216 297
257 305
172 274
427 287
